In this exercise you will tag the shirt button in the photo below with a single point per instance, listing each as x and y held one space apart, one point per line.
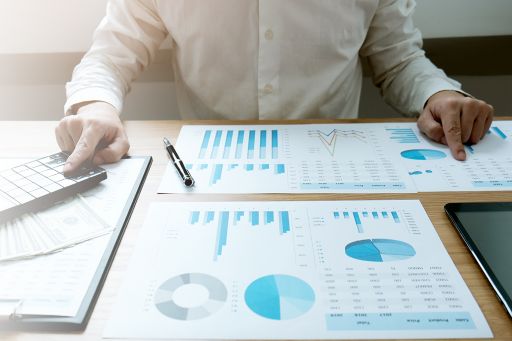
268 89
269 34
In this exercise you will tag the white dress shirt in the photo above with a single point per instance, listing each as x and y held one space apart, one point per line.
266 59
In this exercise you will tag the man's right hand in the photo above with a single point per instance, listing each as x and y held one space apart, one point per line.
94 133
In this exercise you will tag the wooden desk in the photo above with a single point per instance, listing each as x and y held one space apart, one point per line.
33 139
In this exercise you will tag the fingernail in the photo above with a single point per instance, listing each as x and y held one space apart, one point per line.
67 167
461 155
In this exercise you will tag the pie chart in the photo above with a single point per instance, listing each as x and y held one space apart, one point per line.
279 297
423 154
194 284
379 250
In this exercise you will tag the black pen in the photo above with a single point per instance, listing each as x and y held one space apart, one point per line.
180 167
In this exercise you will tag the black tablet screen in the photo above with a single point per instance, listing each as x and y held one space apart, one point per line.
488 231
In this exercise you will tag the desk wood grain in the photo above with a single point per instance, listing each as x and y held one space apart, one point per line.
33 139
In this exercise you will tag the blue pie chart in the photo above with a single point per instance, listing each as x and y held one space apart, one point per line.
279 297
423 154
379 250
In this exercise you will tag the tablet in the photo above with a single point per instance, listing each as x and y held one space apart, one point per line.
486 228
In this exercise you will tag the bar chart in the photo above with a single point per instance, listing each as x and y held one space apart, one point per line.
368 220
216 173
225 220
250 144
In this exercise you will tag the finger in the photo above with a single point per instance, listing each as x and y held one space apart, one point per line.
478 129
84 149
470 112
113 152
75 129
64 140
430 127
452 133
488 120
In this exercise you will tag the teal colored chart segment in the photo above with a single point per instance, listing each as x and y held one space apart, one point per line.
423 154
279 297
379 250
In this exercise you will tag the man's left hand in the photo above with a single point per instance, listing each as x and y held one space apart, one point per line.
453 119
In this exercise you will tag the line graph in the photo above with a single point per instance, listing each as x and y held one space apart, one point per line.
330 140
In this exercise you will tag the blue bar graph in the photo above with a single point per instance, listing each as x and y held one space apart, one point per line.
395 216
358 222
227 144
249 167
209 216
284 222
216 174
254 218
238 215
275 144
499 132
222 234
263 144
216 143
204 145
264 166
239 144
403 135
269 217
362 217
250 147
194 217
279 168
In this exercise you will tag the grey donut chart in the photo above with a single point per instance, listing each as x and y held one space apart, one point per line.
164 302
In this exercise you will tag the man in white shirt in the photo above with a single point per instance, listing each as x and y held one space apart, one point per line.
266 59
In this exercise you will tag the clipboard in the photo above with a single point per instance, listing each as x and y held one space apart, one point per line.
80 320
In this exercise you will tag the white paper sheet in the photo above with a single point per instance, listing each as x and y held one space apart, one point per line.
55 284
488 166
293 270
316 158
336 158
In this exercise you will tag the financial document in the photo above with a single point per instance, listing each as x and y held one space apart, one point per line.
488 166
293 270
316 158
336 158
55 284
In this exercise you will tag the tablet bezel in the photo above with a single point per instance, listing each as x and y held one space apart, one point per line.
452 209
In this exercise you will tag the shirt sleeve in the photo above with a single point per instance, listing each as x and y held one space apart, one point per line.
393 46
124 43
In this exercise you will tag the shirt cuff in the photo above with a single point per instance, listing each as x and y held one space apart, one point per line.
441 85
91 95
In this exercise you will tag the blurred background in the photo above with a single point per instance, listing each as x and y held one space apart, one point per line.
42 40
